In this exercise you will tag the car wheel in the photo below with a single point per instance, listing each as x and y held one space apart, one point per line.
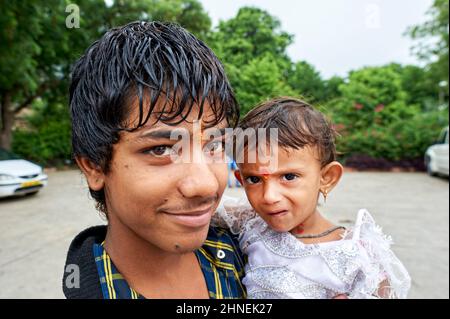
429 167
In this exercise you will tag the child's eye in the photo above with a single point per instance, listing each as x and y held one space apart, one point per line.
252 179
289 177
159 151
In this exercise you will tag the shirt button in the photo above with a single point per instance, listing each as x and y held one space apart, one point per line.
220 254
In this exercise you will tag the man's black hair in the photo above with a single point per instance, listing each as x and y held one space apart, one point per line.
142 61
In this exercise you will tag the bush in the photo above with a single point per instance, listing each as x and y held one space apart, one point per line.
403 140
48 139
364 162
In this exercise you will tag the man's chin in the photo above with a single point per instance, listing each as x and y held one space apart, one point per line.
191 241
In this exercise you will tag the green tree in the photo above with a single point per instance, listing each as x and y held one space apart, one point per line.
251 34
305 80
252 47
433 41
418 85
331 90
37 49
259 80
187 13
373 95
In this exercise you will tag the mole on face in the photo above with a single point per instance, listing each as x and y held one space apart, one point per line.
177 246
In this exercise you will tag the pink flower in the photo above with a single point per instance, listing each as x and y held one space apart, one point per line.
358 106
339 127
379 108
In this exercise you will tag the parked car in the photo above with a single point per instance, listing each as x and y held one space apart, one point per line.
18 176
436 156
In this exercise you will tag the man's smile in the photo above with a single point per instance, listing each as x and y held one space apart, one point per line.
197 218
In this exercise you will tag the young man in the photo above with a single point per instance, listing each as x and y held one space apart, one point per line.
130 92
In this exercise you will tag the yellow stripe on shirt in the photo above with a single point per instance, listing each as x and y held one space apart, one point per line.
222 265
218 245
108 284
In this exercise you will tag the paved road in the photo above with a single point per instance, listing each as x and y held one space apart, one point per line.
412 207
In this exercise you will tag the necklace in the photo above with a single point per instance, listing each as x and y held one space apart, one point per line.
321 234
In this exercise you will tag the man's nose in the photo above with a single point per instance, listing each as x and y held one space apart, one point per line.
271 194
198 180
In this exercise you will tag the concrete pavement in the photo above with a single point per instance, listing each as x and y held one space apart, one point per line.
35 232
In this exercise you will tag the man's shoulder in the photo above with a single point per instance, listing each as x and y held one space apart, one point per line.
80 262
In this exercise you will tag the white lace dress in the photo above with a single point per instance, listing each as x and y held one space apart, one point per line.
281 266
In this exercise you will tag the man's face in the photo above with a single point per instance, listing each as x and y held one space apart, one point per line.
286 194
169 204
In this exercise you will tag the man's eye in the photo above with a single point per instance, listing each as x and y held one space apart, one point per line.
215 147
289 177
253 179
159 151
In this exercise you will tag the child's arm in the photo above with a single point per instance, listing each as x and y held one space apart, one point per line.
385 275
233 213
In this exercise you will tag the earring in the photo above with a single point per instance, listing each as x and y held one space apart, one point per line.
325 194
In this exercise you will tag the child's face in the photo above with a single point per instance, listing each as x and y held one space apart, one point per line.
284 195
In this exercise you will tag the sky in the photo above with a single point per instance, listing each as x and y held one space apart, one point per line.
337 36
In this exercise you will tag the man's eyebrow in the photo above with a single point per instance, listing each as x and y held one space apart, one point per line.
162 134
166 134
221 131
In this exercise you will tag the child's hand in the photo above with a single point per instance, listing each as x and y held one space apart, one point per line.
341 296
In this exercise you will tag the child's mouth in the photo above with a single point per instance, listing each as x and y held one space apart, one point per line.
278 213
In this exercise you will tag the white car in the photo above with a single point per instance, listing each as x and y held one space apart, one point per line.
436 156
18 176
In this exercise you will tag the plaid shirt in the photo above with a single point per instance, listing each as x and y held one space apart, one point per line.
220 259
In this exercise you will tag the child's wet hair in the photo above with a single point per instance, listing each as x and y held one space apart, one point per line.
298 124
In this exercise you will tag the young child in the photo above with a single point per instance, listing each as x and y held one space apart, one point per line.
294 251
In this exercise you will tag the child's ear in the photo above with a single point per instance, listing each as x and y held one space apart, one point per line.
237 174
94 174
331 174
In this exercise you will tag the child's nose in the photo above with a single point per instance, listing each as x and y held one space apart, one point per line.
271 193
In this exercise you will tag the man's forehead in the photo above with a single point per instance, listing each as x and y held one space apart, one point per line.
169 107
162 130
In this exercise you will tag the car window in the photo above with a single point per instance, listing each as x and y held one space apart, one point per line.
5 155
443 137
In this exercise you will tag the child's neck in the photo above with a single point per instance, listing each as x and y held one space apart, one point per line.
314 225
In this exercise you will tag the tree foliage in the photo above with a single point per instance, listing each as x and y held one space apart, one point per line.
37 48
252 47
390 112
305 79
433 41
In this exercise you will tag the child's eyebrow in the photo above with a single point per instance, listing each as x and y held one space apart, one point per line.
277 172
257 173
